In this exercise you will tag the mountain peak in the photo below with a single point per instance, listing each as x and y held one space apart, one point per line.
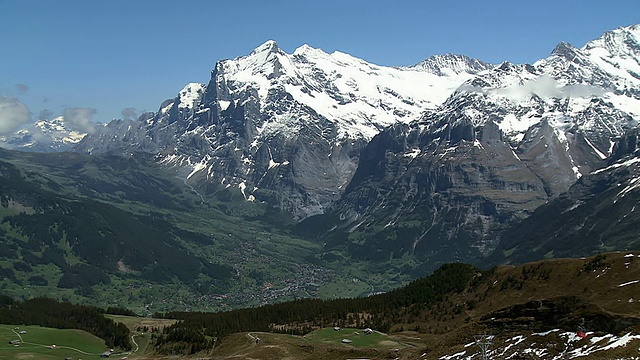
450 64
264 62
563 49
270 46
621 41
305 50
190 94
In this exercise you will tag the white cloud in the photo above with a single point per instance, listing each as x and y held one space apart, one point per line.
79 119
129 113
543 86
45 114
13 115
547 87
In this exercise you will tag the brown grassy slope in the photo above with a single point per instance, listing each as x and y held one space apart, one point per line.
508 301
587 290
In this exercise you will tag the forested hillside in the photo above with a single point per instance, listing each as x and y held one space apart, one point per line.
301 316
441 313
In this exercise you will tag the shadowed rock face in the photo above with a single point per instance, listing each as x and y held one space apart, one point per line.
436 192
597 213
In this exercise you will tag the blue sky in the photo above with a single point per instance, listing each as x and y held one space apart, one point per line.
101 57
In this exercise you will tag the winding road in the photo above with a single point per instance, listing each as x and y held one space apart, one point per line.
133 340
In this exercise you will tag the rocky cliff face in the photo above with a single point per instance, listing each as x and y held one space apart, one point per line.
506 142
598 213
284 128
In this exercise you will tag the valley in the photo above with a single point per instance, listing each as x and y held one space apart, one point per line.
238 240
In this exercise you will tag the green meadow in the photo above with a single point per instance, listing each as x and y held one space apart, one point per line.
36 343
357 336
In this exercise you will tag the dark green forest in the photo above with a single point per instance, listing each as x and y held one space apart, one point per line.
63 315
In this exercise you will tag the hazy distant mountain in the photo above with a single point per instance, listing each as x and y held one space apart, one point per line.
45 136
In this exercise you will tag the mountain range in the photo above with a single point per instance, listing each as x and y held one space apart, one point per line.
504 143
405 168
284 128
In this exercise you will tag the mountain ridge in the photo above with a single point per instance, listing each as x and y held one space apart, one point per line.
256 106
270 115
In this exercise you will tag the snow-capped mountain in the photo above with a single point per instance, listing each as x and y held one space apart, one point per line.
450 65
504 143
593 89
432 160
285 128
358 97
45 136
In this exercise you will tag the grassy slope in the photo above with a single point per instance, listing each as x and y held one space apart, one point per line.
139 336
288 347
357 336
70 343
443 330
